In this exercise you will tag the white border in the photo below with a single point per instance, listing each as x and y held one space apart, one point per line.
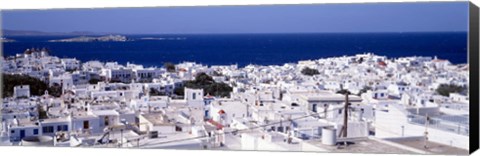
57 4
48 4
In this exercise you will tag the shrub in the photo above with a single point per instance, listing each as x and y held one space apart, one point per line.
94 81
209 86
446 89
37 86
309 71
169 66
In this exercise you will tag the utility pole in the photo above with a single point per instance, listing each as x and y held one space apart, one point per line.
121 137
325 109
427 120
289 132
138 143
281 121
343 132
248 112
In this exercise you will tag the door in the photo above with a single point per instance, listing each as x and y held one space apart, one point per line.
106 121
22 134
206 113
314 107
86 125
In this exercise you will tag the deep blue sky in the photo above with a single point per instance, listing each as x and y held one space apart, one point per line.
380 17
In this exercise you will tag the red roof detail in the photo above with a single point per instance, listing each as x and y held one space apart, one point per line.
221 112
209 96
382 63
216 124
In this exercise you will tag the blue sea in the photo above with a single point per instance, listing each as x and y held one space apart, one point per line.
244 49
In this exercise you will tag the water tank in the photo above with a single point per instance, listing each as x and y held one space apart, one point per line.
37 141
329 136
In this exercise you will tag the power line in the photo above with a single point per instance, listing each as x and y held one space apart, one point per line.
236 131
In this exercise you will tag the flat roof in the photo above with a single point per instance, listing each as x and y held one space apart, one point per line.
25 123
433 147
227 104
105 112
364 145
173 141
329 97
156 119
82 115
54 120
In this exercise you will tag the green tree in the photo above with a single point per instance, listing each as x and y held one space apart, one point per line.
55 90
42 113
115 81
216 73
446 89
169 66
360 61
179 91
209 86
94 81
364 90
155 92
309 71
37 87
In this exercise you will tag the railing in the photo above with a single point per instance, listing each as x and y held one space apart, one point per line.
441 124
15 139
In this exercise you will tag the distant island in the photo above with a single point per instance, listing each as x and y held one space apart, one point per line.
108 38
6 40
160 38
9 32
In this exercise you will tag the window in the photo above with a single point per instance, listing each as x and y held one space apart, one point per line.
339 111
106 121
62 128
35 131
12 131
47 129
193 96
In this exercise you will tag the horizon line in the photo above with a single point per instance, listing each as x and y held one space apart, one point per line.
214 33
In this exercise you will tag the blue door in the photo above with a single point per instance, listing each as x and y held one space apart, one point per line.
206 113
22 134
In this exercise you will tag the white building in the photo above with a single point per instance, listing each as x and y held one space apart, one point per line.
194 97
21 91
